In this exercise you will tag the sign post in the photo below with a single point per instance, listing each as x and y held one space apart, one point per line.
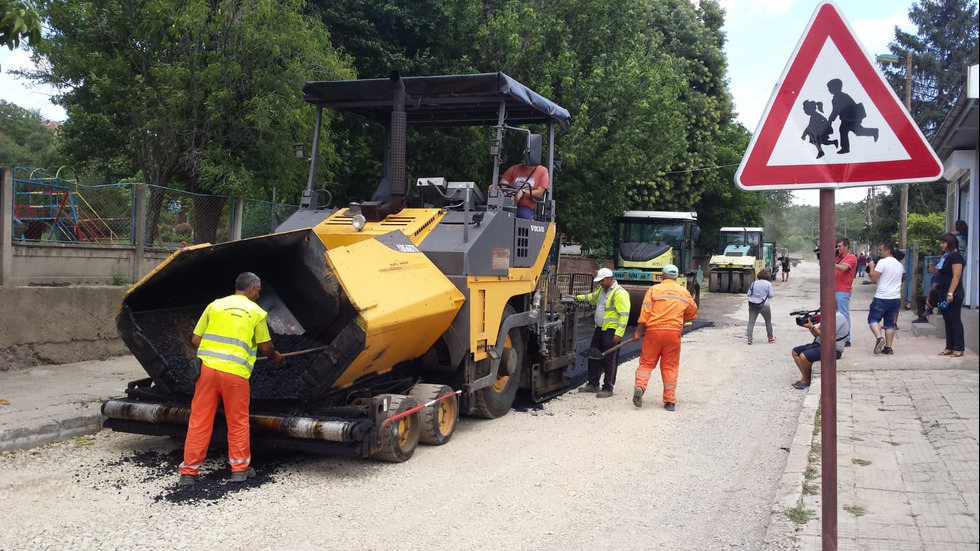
833 122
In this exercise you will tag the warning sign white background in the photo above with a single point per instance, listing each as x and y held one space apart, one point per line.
792 149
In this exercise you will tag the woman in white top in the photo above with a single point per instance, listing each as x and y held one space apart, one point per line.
759 294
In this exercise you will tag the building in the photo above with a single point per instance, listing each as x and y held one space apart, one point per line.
956 144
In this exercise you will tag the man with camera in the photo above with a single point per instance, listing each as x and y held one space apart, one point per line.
806 355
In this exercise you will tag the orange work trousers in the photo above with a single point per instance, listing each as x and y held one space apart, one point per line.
663 347
232 391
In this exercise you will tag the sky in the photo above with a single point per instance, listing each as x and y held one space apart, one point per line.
761 36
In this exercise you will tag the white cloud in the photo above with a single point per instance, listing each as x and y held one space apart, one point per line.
23 92
875 34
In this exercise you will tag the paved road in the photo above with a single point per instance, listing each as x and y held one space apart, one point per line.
573 473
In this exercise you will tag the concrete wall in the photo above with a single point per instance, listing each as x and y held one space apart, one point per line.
53 325
66 264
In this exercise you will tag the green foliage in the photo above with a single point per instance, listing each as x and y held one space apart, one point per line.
24 140
926 229
18 21
722 203
199 94
206 95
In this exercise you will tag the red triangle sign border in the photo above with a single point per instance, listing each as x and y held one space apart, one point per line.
755 173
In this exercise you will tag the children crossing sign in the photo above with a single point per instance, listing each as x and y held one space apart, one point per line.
833 121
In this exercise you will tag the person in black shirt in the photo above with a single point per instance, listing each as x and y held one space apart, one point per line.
950 285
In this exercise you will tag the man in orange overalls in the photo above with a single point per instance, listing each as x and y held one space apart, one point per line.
666 306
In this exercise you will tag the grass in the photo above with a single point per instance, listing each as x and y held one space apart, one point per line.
892 443
816 421
119 280
810 489
84 440
855 510
861 462
800 514
856 439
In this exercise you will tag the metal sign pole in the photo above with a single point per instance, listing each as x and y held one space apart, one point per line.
828 371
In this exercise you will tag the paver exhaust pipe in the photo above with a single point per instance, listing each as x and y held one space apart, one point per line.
376 211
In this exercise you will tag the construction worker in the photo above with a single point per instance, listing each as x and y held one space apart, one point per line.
666 306
612 311
226 338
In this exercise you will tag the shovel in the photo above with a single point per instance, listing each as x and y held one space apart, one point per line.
596 354
297 353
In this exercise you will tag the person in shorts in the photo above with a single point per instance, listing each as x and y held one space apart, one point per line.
806 355
889 274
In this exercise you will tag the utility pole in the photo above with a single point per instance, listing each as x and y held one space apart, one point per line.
903 204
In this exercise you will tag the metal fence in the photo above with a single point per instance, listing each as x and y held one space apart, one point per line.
52 209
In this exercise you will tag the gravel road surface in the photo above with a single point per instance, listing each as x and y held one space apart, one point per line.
574 473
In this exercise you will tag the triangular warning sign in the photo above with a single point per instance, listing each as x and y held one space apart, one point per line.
833 121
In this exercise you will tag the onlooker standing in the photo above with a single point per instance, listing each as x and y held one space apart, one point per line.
227 336
926 302
612 311
845 265
862 264
889 274
960 231
666 306
806 355
784 266
949 275
759 294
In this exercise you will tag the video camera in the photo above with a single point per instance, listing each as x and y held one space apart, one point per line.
803 316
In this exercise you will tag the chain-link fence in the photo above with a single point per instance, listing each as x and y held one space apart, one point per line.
262 217
49 208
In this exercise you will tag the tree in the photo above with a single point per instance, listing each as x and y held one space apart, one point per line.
944 44
942 48
721 202
204 94
24 140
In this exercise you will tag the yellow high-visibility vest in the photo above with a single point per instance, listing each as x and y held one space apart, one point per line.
230 329
617 307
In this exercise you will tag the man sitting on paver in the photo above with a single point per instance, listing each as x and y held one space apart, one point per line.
806 355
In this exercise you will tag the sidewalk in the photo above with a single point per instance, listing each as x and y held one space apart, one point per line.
907 448
50 403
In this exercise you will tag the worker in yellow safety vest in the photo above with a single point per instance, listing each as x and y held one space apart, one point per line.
612 311
227 336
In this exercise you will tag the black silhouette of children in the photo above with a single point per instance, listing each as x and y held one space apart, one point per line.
819 130
851 114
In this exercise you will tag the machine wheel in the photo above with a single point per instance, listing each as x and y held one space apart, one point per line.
725 282
399 438
737 281
438 421
714 282
747 280
495 400
697 294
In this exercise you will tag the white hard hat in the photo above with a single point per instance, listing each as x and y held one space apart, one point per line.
670 271
603 273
